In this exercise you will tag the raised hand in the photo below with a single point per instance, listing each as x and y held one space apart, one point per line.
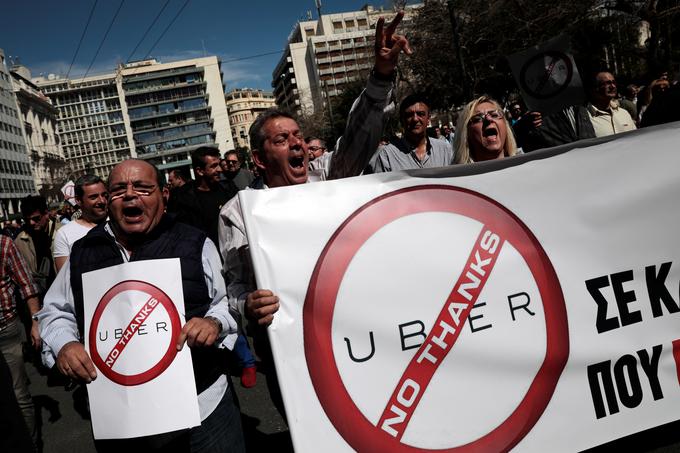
389 45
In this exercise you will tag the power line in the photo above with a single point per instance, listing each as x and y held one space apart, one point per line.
253 56
148 30
166 29
87 24
104 38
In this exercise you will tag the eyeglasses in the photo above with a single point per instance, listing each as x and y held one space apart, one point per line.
36 218
231 162
143 190
479 117
316 148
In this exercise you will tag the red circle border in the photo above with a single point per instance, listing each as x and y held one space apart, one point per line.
168 356
329 272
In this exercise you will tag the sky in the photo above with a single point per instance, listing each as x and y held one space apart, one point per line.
44 34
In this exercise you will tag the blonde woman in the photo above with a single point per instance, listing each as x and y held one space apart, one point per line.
483 133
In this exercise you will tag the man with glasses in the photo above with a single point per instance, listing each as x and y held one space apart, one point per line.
233 171
34 242
605 113
138 230
92 196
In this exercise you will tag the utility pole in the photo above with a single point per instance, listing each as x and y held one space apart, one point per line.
459 53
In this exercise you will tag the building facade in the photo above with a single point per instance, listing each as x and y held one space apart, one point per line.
155 111
323 56
16 179
244 105
39 117
174 108
91 126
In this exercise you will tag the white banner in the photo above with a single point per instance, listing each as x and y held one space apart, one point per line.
547 76
134 313
69 192
530 303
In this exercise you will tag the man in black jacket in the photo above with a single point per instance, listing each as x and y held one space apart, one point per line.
198 203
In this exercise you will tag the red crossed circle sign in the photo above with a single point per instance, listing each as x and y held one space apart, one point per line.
328 275
156 298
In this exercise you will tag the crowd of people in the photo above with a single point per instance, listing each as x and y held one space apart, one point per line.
135 215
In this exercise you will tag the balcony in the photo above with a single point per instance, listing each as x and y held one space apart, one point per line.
161 74
170 125
180 135
171 86
168 99
170 112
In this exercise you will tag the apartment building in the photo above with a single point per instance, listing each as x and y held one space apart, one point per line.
16 179
155 111
244 106
322 56
39 117
90 123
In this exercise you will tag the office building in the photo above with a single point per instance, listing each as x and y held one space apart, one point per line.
155 111
174 108
16 179
322 56
244 105
39 118
90 124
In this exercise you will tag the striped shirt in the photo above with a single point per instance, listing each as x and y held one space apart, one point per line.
14 275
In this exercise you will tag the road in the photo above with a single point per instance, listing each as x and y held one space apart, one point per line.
64 426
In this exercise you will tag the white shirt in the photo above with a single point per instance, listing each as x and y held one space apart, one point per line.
66 236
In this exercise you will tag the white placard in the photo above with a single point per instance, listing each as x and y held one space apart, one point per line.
133 315
530 303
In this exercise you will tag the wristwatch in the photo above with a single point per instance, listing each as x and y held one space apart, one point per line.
216 321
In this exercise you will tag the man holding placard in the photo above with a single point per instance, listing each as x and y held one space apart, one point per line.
139 236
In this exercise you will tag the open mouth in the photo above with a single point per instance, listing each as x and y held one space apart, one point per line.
490 132
297 161
132 212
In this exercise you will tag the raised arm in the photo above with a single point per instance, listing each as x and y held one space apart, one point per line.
367 117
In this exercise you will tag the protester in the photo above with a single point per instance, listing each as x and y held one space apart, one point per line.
484 132
16 285
138 230
34 242
606 116
629 100
315 146
280 153
66 213
177 177
197 203
448 134
663 108
233 171
367 116
92 196
415 149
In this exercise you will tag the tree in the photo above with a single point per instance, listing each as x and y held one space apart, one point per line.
602 32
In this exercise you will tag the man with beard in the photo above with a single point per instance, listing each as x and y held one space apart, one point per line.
198 202
34 242
92 197
138 230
